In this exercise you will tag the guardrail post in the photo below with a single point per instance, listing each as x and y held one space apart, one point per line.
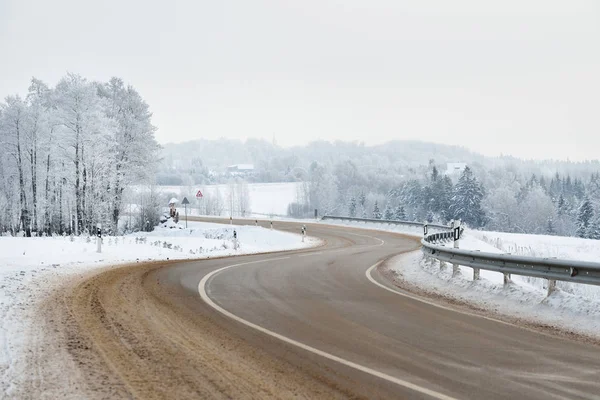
476 274
551 286
506 278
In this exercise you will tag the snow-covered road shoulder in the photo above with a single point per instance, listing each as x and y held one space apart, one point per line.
571 308
32 270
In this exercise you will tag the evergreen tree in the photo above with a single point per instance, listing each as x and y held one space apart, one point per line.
550 230
376 211
434 174
388 214
584 217
466 201
562 205
352 207
400 214
362 199
441 194
593 231
429 217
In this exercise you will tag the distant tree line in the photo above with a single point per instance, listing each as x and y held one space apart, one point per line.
70 153
555 205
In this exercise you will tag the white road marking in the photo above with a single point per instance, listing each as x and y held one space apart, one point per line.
381 241
389 378
431 303
310 254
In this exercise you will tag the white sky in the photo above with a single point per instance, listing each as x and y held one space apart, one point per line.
515 77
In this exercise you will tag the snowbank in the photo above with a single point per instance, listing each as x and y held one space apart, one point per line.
518 300
572 307
543 246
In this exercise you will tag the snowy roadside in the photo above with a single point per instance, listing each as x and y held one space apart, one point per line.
572 308
377 226
31 269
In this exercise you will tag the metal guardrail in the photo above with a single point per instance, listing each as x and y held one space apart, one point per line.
386 221
547 268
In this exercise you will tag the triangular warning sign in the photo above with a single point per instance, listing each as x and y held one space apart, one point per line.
199 194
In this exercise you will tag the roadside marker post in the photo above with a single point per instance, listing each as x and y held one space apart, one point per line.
99 239
456 233
303 232
235 240
271 225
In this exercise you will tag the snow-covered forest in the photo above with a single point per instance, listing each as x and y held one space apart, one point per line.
70 152
408 180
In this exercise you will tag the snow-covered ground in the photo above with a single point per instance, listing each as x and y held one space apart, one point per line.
573 307
265 198
29 267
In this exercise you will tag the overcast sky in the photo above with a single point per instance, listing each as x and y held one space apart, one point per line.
514 77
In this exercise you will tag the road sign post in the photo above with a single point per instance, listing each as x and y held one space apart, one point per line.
185 202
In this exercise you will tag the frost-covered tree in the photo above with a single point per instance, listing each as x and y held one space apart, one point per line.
562 205
535 211
362 201
352 207
441 195
388 214
323 190
63 146
134 150
500 206
400 213
466 200
584 217
82 122
376 211
593 231
12 127
550 230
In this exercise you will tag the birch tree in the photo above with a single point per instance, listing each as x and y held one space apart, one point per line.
135 151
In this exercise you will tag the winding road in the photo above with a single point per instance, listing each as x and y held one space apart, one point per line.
314 323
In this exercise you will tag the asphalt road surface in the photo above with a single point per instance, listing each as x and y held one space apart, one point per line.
315 323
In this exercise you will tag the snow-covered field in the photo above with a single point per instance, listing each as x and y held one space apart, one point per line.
30 268
265 198
572 307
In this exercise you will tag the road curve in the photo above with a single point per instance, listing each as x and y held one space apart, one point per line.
317 323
